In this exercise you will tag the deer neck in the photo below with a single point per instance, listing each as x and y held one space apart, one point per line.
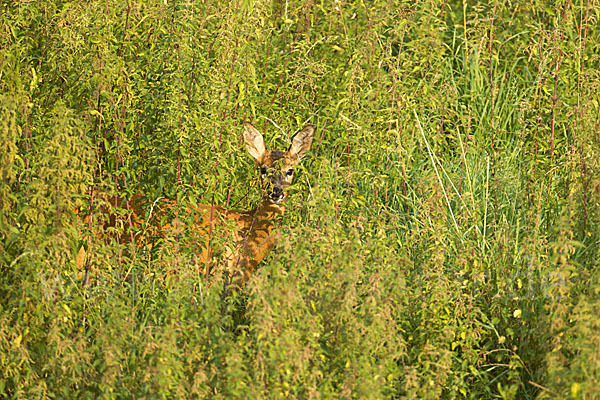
267 211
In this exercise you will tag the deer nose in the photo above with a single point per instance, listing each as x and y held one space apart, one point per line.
277 191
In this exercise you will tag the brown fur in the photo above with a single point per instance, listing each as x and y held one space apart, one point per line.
252 232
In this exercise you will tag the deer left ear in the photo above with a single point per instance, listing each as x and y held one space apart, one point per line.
302 141
254 141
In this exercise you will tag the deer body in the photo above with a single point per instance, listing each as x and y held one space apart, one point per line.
252 233
257 238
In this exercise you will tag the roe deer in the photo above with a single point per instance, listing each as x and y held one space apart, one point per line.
252 231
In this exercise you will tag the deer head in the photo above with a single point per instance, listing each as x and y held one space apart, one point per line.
277 167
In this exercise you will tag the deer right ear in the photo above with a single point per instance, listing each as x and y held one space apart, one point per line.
254 141
302 141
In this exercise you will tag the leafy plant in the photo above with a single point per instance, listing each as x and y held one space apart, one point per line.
441 240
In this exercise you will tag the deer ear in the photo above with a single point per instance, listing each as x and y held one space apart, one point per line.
302 141
254 141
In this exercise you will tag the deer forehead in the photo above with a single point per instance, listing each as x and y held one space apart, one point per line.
276 158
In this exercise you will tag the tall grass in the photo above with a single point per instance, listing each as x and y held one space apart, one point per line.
442 240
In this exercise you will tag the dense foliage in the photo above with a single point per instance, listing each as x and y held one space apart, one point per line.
443 236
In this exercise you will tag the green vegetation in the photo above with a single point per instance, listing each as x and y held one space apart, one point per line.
442 240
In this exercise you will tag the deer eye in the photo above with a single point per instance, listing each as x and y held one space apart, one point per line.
289 172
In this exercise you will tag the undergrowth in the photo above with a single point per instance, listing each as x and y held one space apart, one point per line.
441 241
